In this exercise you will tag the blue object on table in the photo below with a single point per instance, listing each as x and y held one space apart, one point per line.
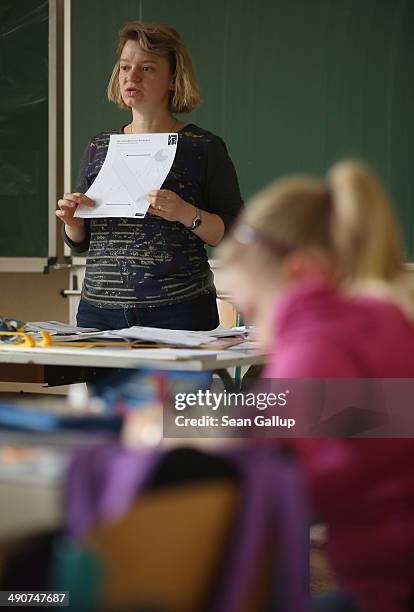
9 325
13 416
125 390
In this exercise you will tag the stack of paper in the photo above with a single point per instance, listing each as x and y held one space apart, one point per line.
137 336
56 327
177 337
242 331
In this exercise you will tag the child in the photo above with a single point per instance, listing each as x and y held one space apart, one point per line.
317 267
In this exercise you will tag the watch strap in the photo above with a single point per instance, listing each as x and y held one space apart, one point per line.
196 221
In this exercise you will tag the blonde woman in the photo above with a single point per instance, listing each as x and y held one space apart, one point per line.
317 266
154 271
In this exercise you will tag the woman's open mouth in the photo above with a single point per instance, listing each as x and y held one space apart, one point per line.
131 91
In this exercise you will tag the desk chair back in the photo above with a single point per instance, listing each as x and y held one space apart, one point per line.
189 532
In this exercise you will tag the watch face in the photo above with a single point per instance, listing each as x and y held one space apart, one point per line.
196 222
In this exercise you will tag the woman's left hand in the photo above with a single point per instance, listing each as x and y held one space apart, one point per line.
168 205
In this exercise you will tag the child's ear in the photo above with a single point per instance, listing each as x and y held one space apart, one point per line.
300 265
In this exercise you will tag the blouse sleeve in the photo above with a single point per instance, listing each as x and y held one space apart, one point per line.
82 185
222 189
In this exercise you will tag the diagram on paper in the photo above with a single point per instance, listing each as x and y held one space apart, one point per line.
134 165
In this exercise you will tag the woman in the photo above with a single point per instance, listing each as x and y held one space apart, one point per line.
154 271
317 267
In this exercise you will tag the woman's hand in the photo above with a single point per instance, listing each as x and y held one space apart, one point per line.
168 205
74 226
68 205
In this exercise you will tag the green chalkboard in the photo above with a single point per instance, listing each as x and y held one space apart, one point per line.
24 35
290 85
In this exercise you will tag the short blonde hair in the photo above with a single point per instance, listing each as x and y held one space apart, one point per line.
160 39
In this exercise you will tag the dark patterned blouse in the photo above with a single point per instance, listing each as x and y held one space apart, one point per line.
151 261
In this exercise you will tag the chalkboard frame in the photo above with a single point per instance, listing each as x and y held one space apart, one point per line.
40 264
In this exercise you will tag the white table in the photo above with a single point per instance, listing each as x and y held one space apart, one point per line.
157 358
39 507
63 365
28 508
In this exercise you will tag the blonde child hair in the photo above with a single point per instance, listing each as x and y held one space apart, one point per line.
347 219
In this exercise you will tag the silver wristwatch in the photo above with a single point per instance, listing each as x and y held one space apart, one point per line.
196 221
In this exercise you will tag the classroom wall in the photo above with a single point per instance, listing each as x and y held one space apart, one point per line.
308 136
36 296
290 85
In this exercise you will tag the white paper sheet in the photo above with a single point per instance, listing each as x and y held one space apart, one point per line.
151 334
232 332
155 334
135 164
56 327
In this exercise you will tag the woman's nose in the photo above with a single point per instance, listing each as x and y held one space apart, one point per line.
135 73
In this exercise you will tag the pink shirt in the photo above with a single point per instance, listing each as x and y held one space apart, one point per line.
321 334
363 489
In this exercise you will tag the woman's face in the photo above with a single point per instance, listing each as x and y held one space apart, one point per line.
145 79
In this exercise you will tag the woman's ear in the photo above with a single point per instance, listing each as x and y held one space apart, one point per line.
172 83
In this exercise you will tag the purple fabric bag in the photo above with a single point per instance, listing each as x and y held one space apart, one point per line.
105 480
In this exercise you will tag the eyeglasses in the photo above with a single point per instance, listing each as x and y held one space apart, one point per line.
247 235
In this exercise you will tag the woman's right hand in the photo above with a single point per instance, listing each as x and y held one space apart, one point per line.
68 205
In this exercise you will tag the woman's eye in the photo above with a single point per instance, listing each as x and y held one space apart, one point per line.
147 68
124 68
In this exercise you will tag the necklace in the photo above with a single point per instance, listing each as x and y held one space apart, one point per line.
174 124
